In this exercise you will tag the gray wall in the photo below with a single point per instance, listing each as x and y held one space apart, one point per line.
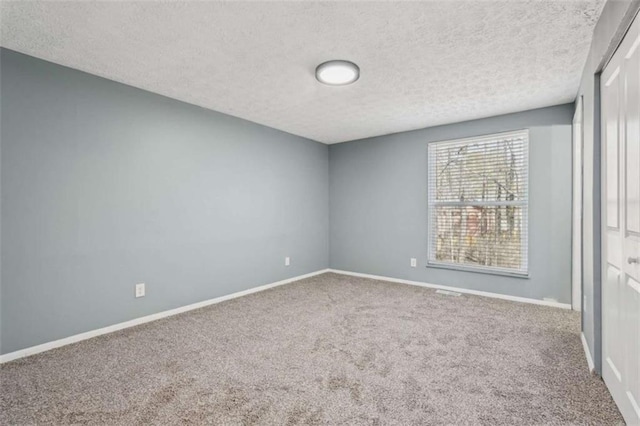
104 186
378 205
615 19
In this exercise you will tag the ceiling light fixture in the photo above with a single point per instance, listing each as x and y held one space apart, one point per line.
337 73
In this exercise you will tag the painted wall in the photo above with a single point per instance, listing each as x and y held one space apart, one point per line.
105 186
614 20
378 205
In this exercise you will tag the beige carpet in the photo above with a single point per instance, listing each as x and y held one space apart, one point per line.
327 350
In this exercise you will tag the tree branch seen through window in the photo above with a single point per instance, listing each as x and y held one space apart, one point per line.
478 202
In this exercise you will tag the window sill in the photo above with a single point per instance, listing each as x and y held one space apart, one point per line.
480 270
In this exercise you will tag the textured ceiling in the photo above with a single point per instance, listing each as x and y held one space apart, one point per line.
422 63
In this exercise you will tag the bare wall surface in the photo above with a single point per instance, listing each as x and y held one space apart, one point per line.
105 186
378 205
614 20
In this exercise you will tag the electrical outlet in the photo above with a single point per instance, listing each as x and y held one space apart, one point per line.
287 261
414 262
140 290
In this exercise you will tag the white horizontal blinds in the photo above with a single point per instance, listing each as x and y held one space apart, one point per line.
478 201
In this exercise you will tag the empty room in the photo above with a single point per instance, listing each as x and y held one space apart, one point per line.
320 212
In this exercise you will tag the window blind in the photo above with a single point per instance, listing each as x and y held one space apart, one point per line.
478 203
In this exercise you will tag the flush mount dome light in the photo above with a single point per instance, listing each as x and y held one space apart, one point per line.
337 73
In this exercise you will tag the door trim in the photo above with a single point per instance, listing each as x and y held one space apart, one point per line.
577 206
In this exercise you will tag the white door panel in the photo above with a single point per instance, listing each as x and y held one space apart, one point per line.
632 148
614 242
633 359
612 136
621 225
612 318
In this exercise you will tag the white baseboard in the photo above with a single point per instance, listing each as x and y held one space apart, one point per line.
587 353
137 321
153 317
457 289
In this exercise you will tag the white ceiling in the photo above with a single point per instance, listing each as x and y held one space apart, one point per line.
422 63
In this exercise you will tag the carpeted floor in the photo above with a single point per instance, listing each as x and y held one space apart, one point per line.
326 350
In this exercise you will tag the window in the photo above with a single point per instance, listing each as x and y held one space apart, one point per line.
478 203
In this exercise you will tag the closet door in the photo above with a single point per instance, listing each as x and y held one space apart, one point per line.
621 225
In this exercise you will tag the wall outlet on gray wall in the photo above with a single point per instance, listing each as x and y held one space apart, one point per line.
414 262
140 290
287 261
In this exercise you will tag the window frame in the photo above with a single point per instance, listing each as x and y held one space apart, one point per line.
431 205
